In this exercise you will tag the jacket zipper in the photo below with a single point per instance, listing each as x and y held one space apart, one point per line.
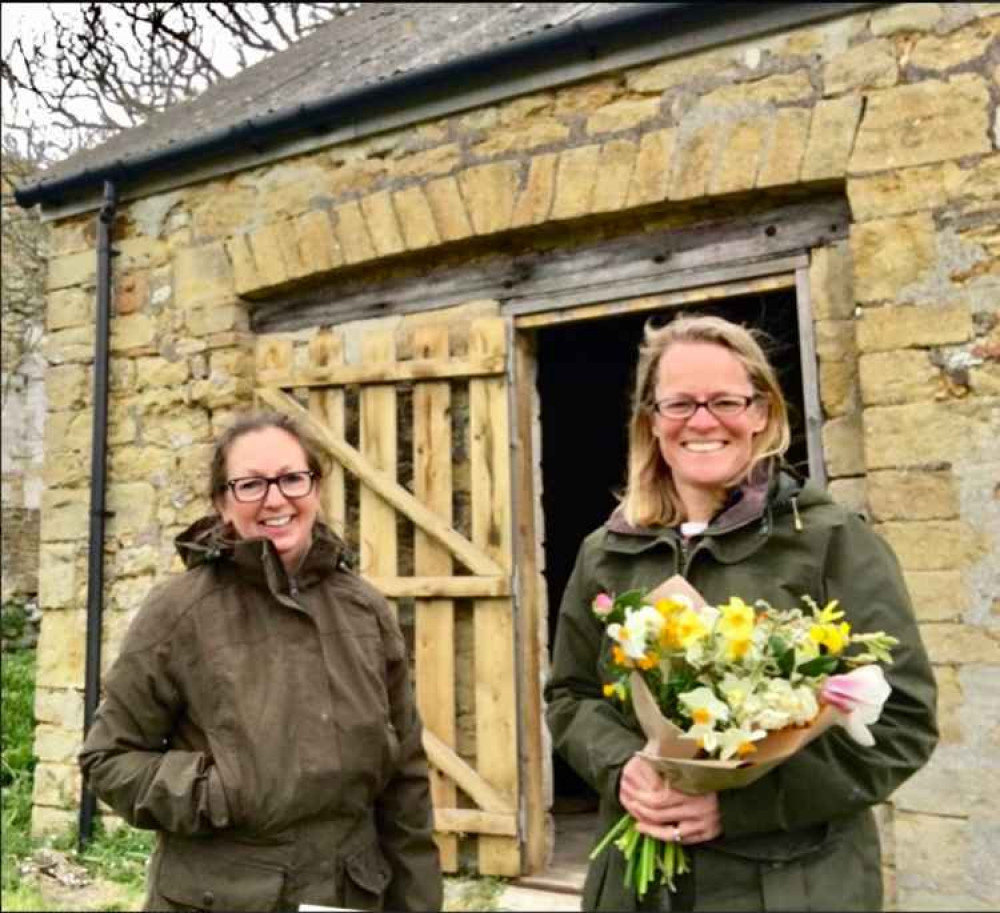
688 554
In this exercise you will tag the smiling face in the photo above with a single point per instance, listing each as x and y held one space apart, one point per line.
703 452
287 522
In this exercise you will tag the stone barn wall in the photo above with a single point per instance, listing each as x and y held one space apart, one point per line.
898 108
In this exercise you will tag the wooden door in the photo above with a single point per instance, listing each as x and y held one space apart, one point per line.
428 405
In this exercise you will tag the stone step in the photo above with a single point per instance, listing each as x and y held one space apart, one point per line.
517 898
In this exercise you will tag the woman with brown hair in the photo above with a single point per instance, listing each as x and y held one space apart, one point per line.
708 497
259 715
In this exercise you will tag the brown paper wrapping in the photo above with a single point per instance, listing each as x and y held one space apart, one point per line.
673 756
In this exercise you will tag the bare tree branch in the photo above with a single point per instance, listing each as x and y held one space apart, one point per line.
115 64
87 76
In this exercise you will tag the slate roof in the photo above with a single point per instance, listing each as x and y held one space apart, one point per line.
372 44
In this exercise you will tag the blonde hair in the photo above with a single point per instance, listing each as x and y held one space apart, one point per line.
650 497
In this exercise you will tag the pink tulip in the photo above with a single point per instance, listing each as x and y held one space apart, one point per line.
859 695
603 603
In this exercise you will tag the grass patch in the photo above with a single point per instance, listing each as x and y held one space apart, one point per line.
118 854
472 893
17 763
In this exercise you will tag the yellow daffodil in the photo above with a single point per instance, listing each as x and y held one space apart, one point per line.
648 661
690 628
832 636
670 606
614 689
736 649
737 620
829 613
618 655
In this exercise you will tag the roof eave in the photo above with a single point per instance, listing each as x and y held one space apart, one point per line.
587 42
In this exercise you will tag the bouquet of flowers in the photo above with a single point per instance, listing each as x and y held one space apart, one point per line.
724 693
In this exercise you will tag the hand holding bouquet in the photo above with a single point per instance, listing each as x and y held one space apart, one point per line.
724 693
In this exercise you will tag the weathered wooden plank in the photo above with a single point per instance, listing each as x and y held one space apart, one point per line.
625 290
645 260
433 588
493 622
487 797
661 302
531 604
810 378
327 405
377 520
272 355
475 559
389 373
471 821
435 618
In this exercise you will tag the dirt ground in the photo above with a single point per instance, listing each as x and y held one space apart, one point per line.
50 881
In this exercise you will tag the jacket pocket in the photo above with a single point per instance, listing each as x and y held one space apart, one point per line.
212 878
366 876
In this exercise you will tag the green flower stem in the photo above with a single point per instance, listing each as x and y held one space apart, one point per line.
644 858
613 834
648 856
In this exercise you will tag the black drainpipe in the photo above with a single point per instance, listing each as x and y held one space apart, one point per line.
98 513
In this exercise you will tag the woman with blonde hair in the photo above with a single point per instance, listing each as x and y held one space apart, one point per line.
709 497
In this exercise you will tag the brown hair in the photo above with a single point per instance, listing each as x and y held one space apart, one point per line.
258 421
650 497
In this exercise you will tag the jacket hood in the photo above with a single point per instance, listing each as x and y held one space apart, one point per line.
211 540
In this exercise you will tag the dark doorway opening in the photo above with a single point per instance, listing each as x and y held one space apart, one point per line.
585 378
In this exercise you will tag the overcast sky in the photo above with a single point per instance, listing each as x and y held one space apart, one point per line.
29 20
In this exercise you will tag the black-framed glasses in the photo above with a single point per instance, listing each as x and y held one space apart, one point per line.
255 488
723 406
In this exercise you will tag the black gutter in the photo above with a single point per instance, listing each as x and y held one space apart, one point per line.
98 476
576 43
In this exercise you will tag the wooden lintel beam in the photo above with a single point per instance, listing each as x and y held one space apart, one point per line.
389 373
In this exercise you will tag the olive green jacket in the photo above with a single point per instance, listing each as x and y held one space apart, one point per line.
802 837
264 725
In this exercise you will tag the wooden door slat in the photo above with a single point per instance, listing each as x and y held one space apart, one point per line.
495 669
377 541
327 406
471 556
434 636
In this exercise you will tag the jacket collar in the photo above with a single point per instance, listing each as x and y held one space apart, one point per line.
210 540
743 505
768 493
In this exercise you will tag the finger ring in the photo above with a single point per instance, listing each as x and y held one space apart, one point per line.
677 833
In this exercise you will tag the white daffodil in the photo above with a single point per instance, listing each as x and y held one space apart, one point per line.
705 735
642 627
735 690
704 707
738 742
